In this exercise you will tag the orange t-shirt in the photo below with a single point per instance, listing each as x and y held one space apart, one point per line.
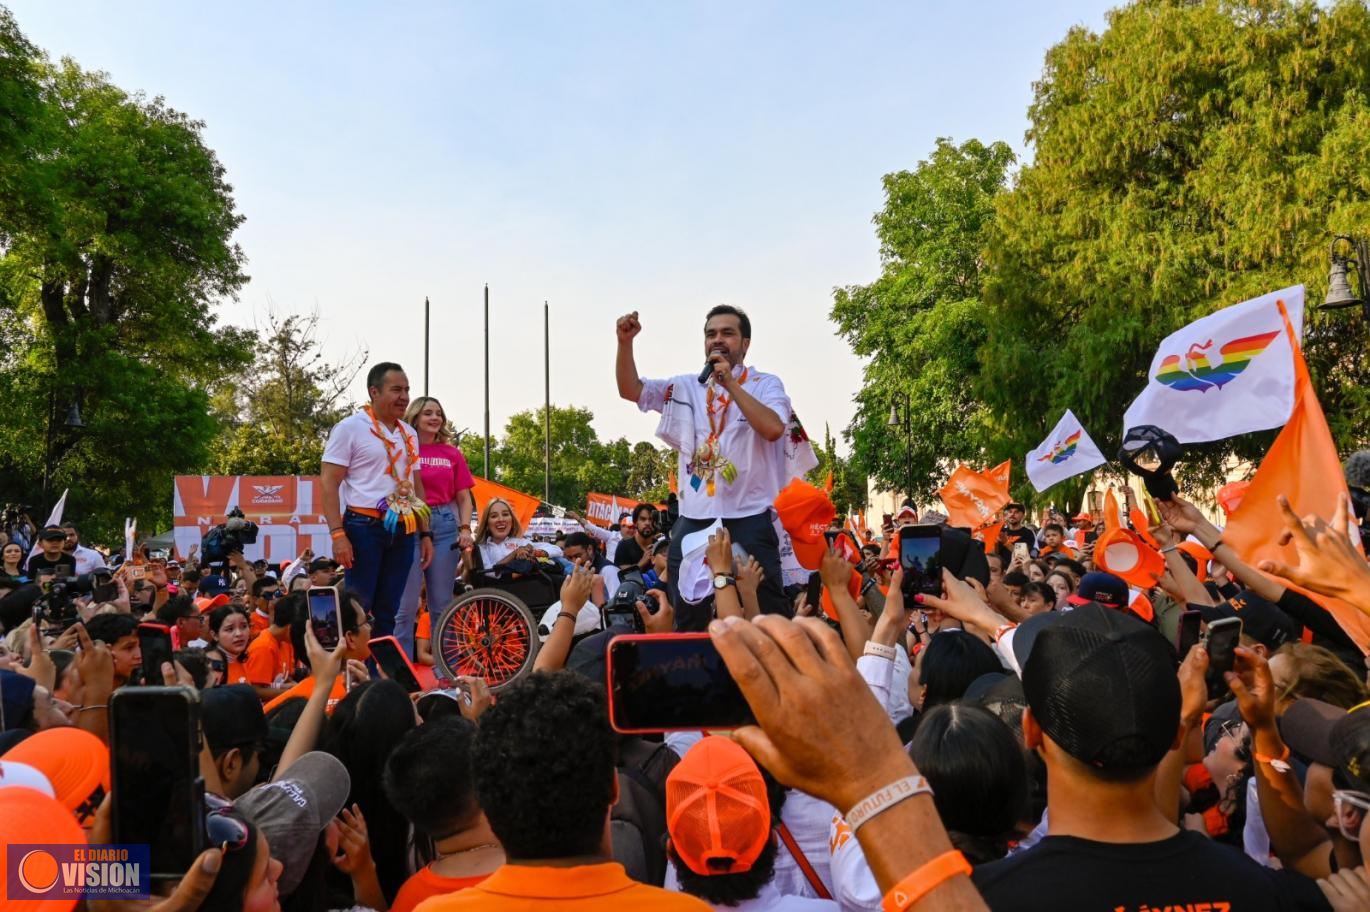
592 888
304 689
424 883
269 660
257 621
424 629
1056 549
236 672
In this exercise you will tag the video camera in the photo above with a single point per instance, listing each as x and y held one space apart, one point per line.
621 610
228 537
55 609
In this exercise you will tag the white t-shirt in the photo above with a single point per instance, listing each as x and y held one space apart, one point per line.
761 465
492 552
353 445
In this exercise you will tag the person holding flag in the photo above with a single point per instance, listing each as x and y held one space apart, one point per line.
738 443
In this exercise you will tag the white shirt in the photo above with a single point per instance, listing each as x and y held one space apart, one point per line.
353 445
492 552
762 466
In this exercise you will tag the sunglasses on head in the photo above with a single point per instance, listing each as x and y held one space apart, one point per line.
224 826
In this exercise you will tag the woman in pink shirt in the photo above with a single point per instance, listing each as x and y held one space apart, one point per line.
447 482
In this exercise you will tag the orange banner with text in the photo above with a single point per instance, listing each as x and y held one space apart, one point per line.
286 508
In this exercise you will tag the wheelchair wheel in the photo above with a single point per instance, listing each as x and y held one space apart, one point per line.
488 634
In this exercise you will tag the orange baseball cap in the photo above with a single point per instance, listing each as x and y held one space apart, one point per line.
205 603
717 812
75 762
31 818
1201 556
805 512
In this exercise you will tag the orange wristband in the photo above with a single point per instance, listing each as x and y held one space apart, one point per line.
924 880
337 534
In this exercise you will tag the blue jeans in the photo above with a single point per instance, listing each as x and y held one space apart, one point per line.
380 568
439 577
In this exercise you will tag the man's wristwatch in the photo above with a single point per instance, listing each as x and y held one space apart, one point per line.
424 533
723 581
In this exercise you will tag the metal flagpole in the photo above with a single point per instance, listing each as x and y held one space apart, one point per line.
425 345
487 380
547 405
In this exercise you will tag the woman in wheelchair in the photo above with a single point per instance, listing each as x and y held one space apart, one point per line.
499 541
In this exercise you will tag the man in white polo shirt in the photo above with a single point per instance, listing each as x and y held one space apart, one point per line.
739 443
373 497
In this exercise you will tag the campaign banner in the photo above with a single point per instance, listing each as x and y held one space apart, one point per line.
286 508
605 509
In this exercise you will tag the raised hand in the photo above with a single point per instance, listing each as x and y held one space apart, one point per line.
627 328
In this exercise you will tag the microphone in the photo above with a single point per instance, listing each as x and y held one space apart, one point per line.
704 374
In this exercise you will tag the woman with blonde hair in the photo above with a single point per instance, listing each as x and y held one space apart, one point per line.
447 484
499 537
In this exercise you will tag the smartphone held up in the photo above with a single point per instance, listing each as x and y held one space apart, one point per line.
671 682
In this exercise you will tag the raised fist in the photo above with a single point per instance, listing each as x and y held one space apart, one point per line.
628 327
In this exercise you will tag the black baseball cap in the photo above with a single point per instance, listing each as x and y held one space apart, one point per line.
232 716
52 533
1351 746
322 563
1262 619
1306 726
1102 686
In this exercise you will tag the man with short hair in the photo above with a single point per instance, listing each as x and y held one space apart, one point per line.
323 571
580 547
187 624
1015 531
1103 710
644 535
738 443
265 592
120 633
428 779
235 729
269 662
88 560
556 839
373 496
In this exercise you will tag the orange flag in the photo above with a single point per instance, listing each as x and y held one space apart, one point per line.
1302 465
974 498
524 505
989 536
674 484
827 483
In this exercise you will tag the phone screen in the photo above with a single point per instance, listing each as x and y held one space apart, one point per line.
814 591
323 612
391 661
1188 635
155 765
1223 638
920 554
672 682
154 641
1020 551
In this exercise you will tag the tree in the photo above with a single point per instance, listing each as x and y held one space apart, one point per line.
921 322
578 458
279 413
117 229
650 472
1192 155
849 483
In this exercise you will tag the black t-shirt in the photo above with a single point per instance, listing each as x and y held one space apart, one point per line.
1185 871
63 565
1022 534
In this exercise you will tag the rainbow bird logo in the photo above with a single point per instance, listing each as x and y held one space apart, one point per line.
1063 450
1193 371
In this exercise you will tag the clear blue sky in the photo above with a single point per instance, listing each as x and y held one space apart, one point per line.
607 157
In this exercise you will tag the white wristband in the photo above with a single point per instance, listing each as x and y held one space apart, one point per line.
883 799
880 650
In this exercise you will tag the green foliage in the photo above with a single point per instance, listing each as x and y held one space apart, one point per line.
1191 156
117 225
848 482
921 321
278 413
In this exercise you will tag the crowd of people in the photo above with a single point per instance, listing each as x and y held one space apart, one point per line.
1034 733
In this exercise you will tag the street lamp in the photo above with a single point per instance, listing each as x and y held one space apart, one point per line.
906 422
1339 292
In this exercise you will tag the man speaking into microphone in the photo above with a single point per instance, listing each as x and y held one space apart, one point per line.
737 442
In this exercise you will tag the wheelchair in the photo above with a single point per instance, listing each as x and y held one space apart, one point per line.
490 631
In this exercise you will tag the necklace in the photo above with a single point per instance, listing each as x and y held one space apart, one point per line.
474 848
403 508
709 461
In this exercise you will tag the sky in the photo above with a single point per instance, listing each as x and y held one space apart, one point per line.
604 157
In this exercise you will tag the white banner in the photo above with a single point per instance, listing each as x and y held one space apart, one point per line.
1229 373
1067 451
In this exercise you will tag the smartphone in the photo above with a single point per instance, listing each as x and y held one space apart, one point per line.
1020 552
813 592
389 655
325 615
1187 637
154 735
920 555
136 571
1223 638
671 682
154 641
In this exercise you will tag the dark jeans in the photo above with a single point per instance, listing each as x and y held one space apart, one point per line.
380 568
756 535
